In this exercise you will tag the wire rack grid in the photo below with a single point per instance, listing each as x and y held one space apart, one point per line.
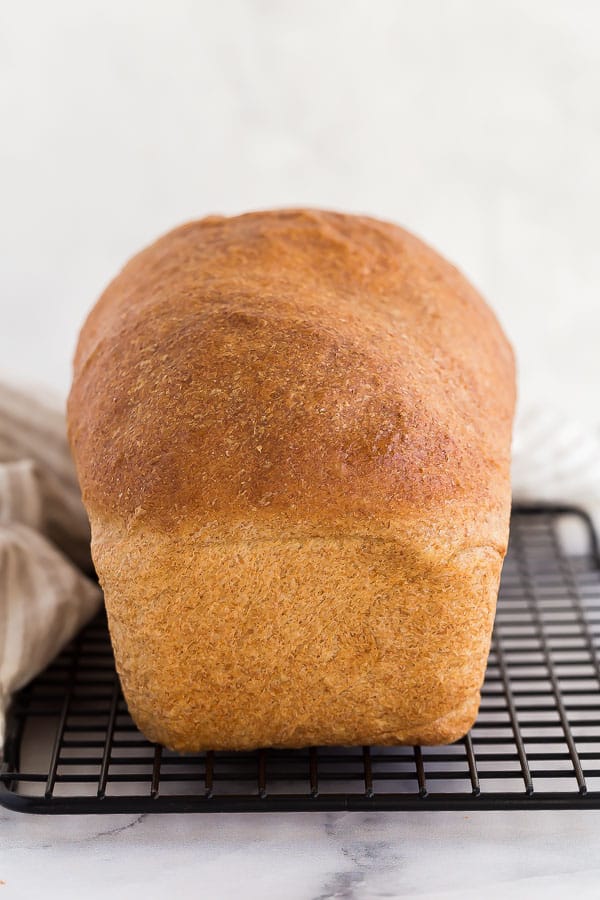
71 746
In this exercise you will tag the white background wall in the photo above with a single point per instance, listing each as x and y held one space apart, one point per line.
476 124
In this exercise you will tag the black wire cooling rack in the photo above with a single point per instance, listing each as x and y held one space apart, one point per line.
71 746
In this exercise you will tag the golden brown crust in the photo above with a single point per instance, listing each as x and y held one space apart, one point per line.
277 380
306 364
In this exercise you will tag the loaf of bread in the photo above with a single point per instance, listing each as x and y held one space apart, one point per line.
292 431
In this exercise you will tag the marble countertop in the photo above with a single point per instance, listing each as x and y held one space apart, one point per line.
302 856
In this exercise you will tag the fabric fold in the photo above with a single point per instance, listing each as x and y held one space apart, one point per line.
45 595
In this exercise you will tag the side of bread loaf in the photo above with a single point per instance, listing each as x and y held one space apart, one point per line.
292 431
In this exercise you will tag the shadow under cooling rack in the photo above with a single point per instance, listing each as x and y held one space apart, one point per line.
71 746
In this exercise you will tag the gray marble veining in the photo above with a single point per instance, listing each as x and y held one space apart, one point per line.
312 856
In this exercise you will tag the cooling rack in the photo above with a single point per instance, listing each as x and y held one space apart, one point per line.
71 746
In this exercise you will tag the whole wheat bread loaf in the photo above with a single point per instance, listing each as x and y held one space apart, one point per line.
292 431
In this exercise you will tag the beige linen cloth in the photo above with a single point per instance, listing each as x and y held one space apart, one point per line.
45 595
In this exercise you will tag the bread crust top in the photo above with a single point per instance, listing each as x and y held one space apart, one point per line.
301 367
